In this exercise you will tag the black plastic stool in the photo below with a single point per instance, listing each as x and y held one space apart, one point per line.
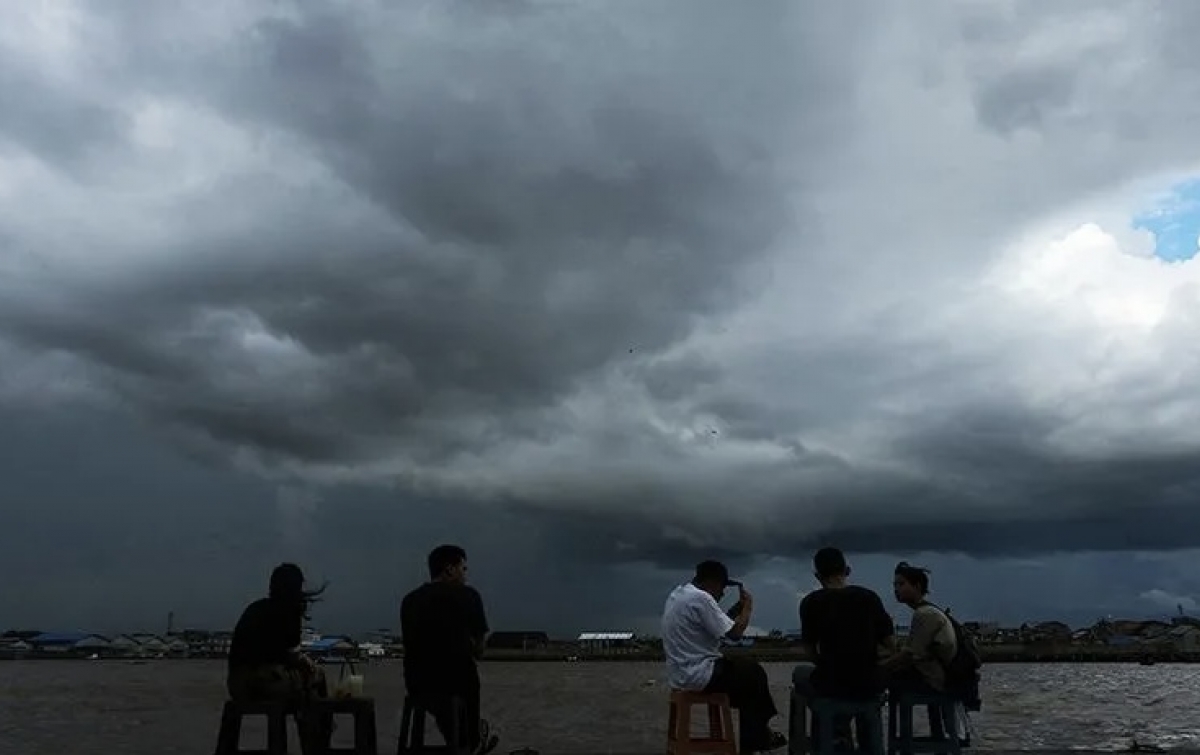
229 736
412 729
366 738
901 740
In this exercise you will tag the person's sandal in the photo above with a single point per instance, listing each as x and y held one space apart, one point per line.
487 740
777 740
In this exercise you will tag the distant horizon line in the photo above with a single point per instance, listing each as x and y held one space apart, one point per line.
557 634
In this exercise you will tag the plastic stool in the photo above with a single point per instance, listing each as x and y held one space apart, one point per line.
900 724
366 738
720 739
229 736
412 728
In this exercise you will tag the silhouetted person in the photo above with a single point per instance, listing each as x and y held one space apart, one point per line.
844 628
693 626
265 662
444 628
921 666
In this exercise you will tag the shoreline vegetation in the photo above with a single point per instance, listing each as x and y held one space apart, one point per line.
990 654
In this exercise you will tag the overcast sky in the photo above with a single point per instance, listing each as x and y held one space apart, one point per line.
596 290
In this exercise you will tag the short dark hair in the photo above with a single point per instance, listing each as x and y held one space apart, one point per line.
445 557
711 571
918 576
829 562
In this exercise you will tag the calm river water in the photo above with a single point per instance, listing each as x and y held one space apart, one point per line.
156 708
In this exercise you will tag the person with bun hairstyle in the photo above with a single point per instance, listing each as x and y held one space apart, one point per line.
921 666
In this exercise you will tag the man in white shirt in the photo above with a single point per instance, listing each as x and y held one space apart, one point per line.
692 628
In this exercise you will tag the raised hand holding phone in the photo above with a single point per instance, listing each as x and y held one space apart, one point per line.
744 602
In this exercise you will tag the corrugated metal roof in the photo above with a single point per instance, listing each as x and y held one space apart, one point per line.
60 638
605 636
328 643
92 641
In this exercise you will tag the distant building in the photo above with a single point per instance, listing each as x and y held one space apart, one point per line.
60 643
984 631
332 647
743 642
372 649
13 647
178 647
124 645
92 645
1185 637
517 640
150 645
205 644
607 642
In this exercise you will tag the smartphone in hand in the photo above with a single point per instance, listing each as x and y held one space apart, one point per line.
736 610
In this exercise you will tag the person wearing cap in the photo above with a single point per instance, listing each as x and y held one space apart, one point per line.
693 626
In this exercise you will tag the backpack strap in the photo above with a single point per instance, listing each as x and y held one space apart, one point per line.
931 604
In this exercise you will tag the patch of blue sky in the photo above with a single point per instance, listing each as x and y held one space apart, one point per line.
1174 219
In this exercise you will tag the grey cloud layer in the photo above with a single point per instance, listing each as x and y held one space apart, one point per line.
709 280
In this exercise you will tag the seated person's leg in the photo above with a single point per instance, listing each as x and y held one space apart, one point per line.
268 682
457 709
470 713
802 688
237 684
745 681
802 679
448 718
805 686
911 682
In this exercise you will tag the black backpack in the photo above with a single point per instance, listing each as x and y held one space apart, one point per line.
962 672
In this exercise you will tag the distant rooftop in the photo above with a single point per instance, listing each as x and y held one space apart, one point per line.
328 643
60 638
605 636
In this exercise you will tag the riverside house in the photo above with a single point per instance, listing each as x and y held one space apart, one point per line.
333 647
67 644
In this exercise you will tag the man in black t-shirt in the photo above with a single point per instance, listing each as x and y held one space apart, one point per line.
444 628
845 629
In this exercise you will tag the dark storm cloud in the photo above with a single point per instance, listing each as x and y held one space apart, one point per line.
673 283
